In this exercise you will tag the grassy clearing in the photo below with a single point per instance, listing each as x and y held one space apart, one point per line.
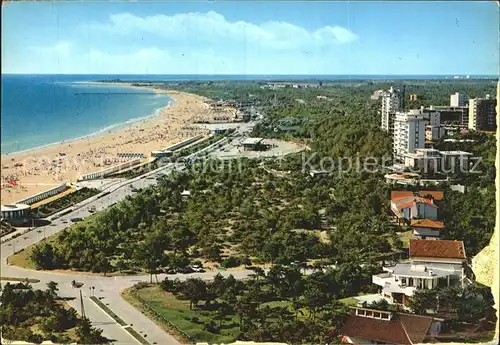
22 258
108 311
192 322
129 295
349 301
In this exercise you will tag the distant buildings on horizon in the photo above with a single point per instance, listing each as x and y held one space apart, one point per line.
413 129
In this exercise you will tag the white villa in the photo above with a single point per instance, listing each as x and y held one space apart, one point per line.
432 264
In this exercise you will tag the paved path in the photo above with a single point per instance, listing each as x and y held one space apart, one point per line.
107 288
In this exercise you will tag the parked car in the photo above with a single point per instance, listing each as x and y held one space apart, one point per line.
170 270
186 270
197 268
76 219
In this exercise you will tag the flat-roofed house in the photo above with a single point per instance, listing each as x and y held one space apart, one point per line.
454 160
254 144
432 264
371 326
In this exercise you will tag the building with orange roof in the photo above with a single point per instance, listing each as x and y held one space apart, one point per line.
433 264
406 208
427 229
437 195
372 326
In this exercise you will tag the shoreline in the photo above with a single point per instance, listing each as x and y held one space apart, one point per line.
28 172
107 129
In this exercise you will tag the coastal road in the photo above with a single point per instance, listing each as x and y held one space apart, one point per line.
106 288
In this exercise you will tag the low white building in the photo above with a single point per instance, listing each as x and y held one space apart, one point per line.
432 264
16 214
432 160
424 159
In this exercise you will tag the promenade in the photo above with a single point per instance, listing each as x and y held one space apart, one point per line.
107 288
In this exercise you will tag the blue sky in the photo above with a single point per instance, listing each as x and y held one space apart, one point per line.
251 37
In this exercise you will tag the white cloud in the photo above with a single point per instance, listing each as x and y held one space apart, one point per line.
205 43
212 28
65 58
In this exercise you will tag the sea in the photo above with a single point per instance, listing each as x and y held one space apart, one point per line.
40 110
37 110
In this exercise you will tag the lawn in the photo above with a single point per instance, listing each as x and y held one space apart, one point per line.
22 258
177 312
350 301
21 280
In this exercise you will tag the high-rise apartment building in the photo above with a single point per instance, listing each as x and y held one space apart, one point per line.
409 133
391 103
457 100
482 114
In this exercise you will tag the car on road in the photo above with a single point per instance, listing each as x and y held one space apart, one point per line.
76 219
170 270
197 268
186 270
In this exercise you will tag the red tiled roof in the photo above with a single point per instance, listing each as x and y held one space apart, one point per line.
427 223
400 194
437 249
402 329
436 194
411 200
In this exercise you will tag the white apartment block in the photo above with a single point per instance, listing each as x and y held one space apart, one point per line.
457 100
391 103
482 114
409 133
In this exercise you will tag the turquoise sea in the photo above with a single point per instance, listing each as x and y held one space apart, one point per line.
42 110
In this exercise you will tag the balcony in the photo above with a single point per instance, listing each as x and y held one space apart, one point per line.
389 284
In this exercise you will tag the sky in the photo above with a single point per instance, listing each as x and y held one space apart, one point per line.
400 38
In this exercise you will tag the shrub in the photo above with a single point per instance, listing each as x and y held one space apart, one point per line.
231 261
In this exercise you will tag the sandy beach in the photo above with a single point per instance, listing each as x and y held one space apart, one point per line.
27 173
